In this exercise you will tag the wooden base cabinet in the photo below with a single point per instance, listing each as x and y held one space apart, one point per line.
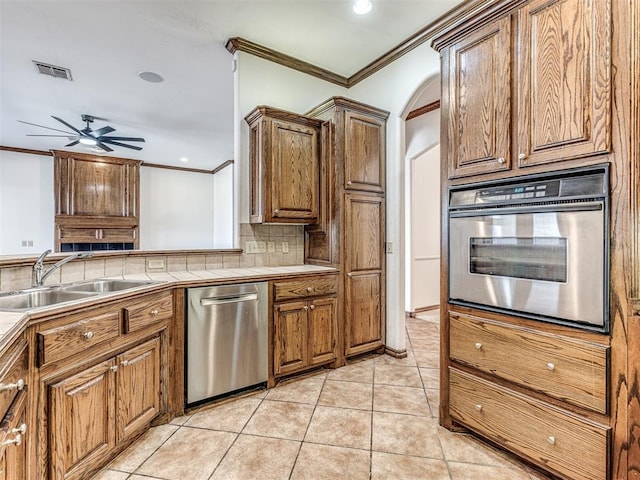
104 404
13 440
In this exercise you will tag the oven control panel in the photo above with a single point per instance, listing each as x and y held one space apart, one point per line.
549 188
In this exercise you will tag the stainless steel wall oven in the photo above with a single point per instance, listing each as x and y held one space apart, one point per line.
535 246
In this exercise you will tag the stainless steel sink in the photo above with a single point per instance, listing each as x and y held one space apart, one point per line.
105 286
45 297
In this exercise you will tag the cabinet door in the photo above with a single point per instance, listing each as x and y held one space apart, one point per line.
81 421
364 232
476 101
364 315
13 455
364 160
564 80
322 330
290 337
295 172
137 388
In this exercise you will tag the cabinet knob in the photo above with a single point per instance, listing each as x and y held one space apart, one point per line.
309 289
19 385
551 366
479 346
479 407
124 363
276 211
154 312
551 439
113 368
312 307
349 182
501 160
305 308
522 156
88 335
17 441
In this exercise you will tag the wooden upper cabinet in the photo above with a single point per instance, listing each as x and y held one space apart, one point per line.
285 167
476 101
564 80
364 159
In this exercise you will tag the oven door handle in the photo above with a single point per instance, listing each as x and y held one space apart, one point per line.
573 207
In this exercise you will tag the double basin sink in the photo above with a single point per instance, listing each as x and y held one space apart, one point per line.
39 297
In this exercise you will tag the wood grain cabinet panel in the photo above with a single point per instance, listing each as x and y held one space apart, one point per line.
81 419
137 388
14 433
364 161
365 226
570 370
291 337
364 317
148 311
564 80
323 316
13 374
308 287
284 167
569 445
477 108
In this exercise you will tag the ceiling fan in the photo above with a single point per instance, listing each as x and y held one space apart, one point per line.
87 136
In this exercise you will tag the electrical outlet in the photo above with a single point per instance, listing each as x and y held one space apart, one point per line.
285 247
389 246
251 247
262 247
156 263
271 247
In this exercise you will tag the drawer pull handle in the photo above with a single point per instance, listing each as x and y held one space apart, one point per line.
17 441
19 385
113 368
501 160
479 407
479 346
551 440
21 429
154 312
551 366
88 335
309 289
312 307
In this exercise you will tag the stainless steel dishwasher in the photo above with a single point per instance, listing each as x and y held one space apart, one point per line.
226 334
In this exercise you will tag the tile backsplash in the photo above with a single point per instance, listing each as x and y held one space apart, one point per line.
286 241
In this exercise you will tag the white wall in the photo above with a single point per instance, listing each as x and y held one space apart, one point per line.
223 208
392 88
176 209
424 285
26 203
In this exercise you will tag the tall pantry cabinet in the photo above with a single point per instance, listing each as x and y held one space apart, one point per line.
351 229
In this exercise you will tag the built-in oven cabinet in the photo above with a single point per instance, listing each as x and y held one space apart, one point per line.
558 95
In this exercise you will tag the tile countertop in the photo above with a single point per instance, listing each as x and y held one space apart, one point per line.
13 323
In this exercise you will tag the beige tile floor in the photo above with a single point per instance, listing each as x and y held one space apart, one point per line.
373 419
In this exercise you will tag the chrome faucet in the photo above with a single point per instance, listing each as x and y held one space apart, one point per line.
39 275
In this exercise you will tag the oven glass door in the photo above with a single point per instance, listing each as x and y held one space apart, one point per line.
546 263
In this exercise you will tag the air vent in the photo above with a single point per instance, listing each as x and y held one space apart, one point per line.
52 70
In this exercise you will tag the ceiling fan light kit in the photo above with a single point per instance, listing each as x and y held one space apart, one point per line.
98 139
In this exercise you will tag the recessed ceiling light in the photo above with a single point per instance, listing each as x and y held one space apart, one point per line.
362 7
184 159
152 77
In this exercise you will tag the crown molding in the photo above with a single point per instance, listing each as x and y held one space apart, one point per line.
430 107
26 150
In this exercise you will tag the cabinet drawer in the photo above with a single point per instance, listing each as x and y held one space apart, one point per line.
14 367
148 311
307 287
569 445
60 342
570 370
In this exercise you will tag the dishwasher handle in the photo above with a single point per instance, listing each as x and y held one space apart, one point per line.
205 302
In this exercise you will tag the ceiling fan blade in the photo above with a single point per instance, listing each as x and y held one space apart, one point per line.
67 136
73 143
103 131
42 126
68 125
125 139
111 142
103 146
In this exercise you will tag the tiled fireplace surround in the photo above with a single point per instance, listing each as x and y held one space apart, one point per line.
16 277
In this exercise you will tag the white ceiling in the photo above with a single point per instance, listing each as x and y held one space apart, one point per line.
106 43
